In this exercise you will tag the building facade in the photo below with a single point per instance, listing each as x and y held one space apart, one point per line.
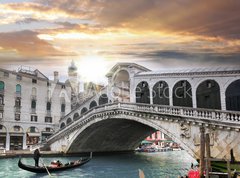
31 106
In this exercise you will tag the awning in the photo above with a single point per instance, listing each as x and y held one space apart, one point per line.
15 134
33 134
146 142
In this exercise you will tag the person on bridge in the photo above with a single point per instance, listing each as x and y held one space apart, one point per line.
36 157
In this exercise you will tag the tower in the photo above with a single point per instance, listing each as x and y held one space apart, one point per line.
73 78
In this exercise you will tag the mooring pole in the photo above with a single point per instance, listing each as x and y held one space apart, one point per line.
202 151
208 155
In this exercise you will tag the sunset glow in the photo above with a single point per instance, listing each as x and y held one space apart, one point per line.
157 34
92 68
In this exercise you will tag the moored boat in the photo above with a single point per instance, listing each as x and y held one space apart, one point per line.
45 169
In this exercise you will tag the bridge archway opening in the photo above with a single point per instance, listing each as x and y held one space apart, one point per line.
233 96
160 93
142 93
103 99
62 125
116 134
93 104
69 120
75 116
208 95
111 135
84 110
182 94
121 86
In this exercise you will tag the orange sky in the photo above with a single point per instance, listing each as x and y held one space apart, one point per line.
154 33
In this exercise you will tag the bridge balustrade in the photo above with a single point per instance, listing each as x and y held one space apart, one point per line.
193 113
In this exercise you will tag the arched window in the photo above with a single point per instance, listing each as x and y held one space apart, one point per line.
83 110
233 96
160 93
93 104
208 95
103 99
18 88
2 86
142 93
182 94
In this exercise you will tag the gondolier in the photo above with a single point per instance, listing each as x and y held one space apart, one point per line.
36 157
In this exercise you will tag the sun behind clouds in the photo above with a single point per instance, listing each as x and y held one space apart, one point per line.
92 68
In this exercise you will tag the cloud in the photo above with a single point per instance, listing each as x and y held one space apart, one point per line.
207 18
26 43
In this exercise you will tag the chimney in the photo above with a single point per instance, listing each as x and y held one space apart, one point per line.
55 76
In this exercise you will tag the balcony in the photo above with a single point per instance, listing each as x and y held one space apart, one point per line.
33 97
62 114
18 94
33 110
17 109
48 113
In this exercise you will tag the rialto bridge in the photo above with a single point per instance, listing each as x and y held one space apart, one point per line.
136 102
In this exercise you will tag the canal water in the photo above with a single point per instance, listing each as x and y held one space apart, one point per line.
154 165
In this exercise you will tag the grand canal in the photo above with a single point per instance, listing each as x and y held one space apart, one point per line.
162 164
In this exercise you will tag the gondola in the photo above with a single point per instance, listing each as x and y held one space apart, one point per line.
44 169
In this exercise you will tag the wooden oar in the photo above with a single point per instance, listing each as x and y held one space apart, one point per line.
141 174
45 167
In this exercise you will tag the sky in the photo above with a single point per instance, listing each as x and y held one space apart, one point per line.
96 34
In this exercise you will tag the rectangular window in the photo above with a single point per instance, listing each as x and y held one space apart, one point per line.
18 102
33 118
63 86
34 81
48 119
17 117
19 77
33 104
1 99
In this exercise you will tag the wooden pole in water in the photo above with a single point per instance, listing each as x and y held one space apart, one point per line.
228 168
208 155
202 150
208 151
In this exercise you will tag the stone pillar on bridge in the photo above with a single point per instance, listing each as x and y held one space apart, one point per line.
194 97
223 97
170 96
150 94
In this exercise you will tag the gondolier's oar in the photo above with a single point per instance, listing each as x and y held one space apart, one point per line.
45 167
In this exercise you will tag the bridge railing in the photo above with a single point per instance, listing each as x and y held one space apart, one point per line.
232 117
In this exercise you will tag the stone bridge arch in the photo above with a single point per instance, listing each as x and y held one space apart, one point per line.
83 139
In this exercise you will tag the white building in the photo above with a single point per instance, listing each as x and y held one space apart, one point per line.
30 107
